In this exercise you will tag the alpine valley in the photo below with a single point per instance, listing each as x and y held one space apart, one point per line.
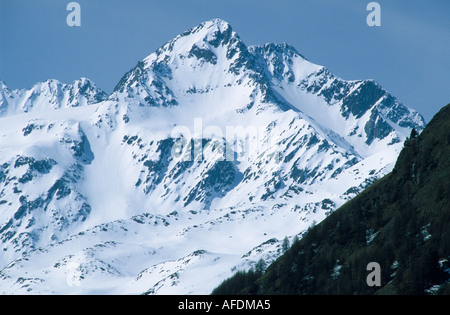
204 158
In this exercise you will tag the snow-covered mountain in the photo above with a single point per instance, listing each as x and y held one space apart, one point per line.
206 155
50 94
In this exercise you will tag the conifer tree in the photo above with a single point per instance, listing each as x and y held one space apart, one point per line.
285 246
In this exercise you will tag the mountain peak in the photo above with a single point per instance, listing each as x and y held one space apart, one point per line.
83 81
212 44
3 85
212 27
47 83
212 33
215 23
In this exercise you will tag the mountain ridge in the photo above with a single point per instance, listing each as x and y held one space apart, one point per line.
49 94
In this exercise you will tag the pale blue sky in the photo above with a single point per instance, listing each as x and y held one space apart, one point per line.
409 54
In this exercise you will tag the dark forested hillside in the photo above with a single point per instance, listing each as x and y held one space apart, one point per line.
401 222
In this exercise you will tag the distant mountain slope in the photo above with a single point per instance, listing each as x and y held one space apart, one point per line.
50 94
401 222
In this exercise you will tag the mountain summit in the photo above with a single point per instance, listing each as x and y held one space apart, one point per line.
206 155
206 57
